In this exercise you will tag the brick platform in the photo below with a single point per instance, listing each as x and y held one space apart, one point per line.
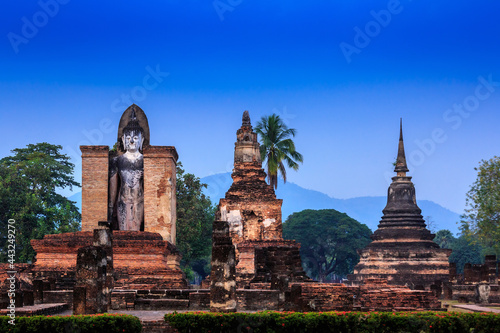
374 295
141 260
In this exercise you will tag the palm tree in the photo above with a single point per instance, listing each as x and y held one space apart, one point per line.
276 146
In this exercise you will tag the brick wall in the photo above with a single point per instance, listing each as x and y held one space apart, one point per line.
159 191
95 164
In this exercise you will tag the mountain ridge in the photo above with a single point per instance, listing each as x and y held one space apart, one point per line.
366 210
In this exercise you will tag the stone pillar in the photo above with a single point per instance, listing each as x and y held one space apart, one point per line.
468 273
223 274
482 293
453 272
38 291
159 191
89 292
103 237
491 262
95 164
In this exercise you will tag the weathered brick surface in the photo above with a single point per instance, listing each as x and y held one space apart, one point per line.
375 294
223 273
58 296
322 296
95 165
159 191
258 299
123 299
157 326
161 304
199 300
253 213
406 264
141 260
261 260
37 310
88 294
479 283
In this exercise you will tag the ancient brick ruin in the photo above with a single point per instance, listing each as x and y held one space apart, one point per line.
142 259
253 214
478 283
402 250
253 267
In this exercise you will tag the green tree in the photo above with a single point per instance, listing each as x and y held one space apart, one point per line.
277 146
195 215
481 220
329 240
445 239
29 180
464 251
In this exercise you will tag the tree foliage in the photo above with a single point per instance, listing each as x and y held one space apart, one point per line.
29 181
277 146
329 240
481 220
464 251
195 215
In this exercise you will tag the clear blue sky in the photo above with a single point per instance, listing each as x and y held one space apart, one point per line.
341 72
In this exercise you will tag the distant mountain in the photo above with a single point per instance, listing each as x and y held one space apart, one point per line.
367 210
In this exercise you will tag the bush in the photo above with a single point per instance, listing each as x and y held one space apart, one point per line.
72 324
353 322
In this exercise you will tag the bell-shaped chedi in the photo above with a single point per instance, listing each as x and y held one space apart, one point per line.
253 214
402 250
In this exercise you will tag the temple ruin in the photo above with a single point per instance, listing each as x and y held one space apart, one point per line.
133 261
402 250
253 213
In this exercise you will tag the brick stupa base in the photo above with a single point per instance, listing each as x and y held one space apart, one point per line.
141 260
260 260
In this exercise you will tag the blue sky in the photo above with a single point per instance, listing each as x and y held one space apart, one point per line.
341 72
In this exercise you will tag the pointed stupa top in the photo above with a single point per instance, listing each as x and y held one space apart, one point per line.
401 160
246 119
247 147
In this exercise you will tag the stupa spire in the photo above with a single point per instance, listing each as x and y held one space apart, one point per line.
246 119
401 167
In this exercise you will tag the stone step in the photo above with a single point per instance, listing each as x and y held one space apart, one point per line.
161 304
157 326
38 310
165 293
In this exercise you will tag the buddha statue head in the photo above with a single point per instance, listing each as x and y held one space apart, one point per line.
133 135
